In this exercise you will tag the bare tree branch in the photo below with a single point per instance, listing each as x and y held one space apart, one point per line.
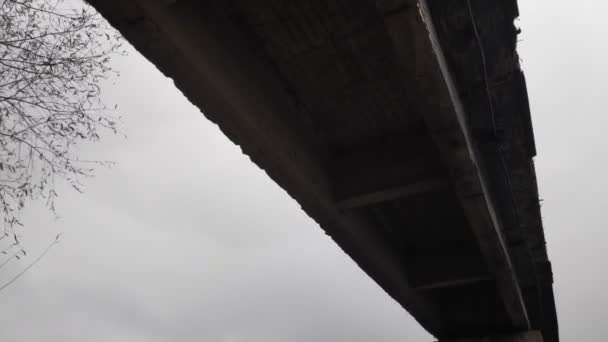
53 54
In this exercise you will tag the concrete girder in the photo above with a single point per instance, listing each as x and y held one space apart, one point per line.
445 117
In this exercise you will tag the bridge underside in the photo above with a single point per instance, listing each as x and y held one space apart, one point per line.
401 127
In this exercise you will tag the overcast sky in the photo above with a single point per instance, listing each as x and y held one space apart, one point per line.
187 240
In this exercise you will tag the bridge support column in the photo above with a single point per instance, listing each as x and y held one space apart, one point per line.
529 336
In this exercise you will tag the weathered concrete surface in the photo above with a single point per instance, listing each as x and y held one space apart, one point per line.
402 127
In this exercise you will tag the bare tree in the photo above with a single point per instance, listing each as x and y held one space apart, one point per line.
53 55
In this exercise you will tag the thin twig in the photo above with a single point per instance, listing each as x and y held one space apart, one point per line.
56 241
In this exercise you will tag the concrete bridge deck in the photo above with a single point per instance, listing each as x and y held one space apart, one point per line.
402 127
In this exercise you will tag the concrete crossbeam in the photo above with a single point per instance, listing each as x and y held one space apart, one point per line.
528 336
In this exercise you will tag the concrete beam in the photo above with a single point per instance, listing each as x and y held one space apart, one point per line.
423 60
455 282
382 172
528 336
385 171
389 193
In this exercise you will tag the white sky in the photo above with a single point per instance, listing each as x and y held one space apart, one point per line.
186 240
